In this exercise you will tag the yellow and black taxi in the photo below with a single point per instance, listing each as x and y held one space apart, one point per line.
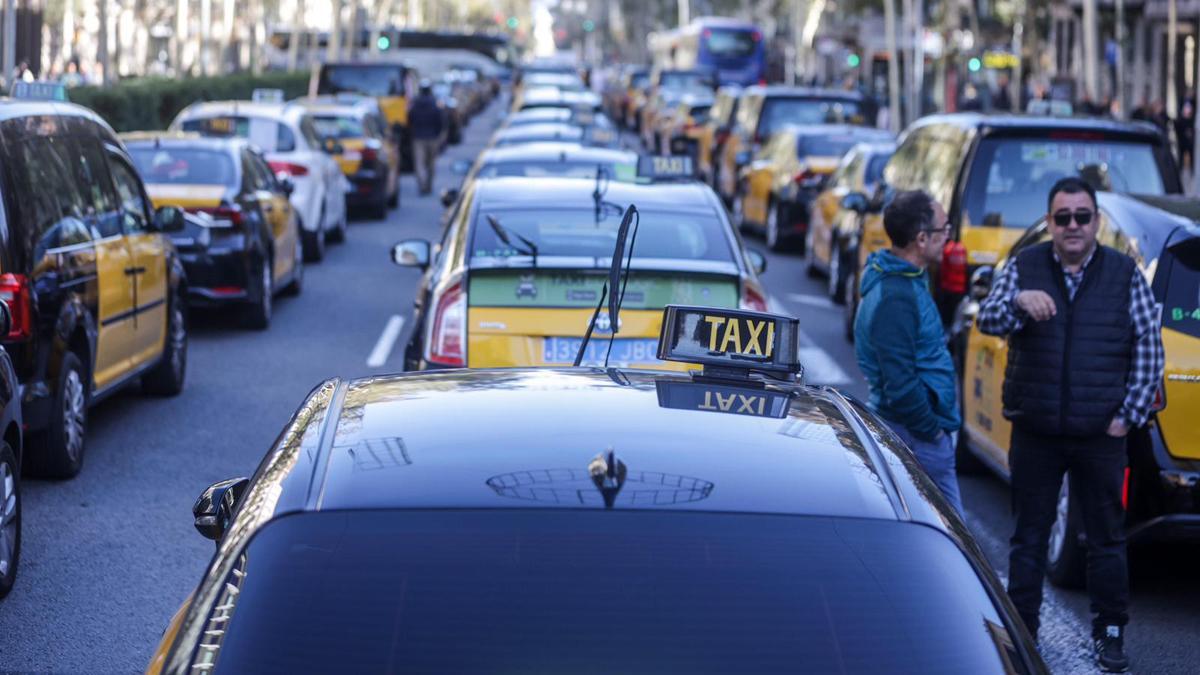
679 130
97 292
521 266
778 187
1162 490
764 110
731 520
834 232
12 447
619 102
368 158
392 83
669 87
992 174
715 131
241 244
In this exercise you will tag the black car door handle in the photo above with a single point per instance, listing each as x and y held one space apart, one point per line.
132 271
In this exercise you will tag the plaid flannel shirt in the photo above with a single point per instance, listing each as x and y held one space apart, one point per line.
1000 315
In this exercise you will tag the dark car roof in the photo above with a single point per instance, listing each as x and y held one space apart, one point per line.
1150 220
549 151
548 191
1019 122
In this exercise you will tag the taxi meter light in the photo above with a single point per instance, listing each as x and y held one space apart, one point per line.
39 91
730 339
672 167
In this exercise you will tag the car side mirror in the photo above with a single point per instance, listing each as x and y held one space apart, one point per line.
757 260
856 202
5 318
460 167
287 185
449 196
981 282
332 147
742 158
169 219
411 253
213 511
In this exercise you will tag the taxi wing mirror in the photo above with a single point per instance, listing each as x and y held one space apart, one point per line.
981 282
449 196
213 511
5 318
757 260
169 219
856 202
287 185
411 253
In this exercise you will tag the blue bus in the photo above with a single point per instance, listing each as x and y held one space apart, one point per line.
732 49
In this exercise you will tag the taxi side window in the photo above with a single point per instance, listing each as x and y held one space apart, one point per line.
52 202
1112 237
747 117
285 140
309 132
134 211
844 176
90 173
257 177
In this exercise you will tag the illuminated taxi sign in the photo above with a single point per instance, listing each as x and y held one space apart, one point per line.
731 339
658 167
39 91
219 126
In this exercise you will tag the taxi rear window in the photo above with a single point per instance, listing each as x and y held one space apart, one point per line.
361 79
268 134
619 171
1181 303
1009 172
184 166
781 112
825 145
552 591
338 127
576 232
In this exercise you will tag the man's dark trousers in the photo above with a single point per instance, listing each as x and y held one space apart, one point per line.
1096 466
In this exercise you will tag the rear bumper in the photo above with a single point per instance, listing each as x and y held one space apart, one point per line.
217 277
368 187
1165 493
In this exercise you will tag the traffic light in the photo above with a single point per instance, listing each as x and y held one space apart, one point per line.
383 43
589 25
852 60
974 64
513 23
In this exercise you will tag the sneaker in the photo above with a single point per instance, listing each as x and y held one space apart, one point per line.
1110 650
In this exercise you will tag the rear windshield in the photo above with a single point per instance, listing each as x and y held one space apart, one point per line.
825 145
184 166
566 169
780 112
727 43
562 232
874 171
699 113
685 80
1181 305
1011 177
369 80
519 591
267 134
339 127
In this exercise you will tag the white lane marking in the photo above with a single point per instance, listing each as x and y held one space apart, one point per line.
387 340
812 300
819 366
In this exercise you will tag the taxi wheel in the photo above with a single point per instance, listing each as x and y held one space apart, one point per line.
338 233
257 315
1066 560
777 240
314 245
57 452
10 518
810 256
836 282
297 285
394 198
851 306
166 379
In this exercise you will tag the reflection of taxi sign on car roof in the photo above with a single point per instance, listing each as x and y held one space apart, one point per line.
39 91
218 126
267 96
658 167
727 339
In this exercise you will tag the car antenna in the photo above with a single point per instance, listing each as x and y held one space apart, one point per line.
503 234
603 180
614 274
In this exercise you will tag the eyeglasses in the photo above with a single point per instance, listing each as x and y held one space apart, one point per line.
1081 216
944 229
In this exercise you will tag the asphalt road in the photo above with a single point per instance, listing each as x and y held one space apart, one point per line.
109 556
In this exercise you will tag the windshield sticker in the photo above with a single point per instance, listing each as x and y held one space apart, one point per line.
1065 152
557 289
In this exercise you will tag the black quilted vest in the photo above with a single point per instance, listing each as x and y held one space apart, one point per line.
1066 376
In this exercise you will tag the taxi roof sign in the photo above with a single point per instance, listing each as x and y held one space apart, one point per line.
730 339
39 91
267 96
666 167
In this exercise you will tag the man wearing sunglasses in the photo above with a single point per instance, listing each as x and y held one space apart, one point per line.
899 341
1085 358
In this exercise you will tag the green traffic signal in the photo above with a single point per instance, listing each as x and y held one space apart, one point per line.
513 22
974 64
589 25
853 60
383 43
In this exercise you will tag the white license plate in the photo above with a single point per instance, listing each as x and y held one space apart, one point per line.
625 351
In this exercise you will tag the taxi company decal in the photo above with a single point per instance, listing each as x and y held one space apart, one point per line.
754 402
1180 377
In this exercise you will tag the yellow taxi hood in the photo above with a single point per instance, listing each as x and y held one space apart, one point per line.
351 157
822 164
987 245
187 196
394 109
1182 384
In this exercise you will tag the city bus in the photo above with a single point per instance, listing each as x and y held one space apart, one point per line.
732 49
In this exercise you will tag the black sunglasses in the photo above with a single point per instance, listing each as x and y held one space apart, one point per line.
1081 216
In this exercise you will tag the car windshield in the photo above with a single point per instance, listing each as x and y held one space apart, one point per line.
562 232
874 171
825 145
1007 172
508 591
184 166
730 43
780 112
361 79
685 80
339 127
1181 306
622 171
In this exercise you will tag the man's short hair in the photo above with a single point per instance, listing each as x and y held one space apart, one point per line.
908 213
1071 185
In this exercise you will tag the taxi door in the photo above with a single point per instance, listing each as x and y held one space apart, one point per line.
828 205
760 177
148 269
276 209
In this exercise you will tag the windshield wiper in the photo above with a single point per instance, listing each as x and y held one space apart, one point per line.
603 207
621 262
505 235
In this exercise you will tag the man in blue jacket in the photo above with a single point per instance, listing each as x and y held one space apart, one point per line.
899 341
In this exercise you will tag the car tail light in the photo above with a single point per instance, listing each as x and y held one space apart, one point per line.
448 342
756 36
14 290
288 168
952 278
370 152
808 179
752 300
1125 491
225 215
1160 399
722 136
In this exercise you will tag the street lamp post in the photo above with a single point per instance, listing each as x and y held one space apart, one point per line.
685 12
10 40
889 20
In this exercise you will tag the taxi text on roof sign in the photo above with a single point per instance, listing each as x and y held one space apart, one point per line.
727 338
658 167
39 91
